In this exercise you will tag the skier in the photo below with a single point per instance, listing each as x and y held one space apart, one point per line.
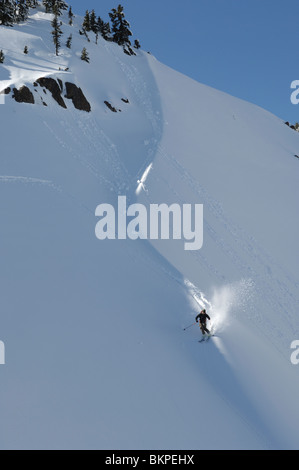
202 317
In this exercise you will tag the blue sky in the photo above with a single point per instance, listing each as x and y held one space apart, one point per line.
248 48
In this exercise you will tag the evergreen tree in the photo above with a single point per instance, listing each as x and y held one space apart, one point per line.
22 11
71 16
55 6
85 56
120 27
93 22
106 32
69 42
31 3
2 57
48 4
56 33
83 32
7 12
100 24
15 11
137 44
26 50
86 22
59 6
104 29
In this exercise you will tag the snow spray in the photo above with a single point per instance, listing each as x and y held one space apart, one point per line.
226 302
229 301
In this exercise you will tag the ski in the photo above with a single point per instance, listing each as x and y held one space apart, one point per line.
207 338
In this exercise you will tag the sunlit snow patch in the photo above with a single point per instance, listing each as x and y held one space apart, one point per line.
141 182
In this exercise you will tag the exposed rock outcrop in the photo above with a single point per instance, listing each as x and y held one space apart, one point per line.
23 95
6 91
54 88
77 96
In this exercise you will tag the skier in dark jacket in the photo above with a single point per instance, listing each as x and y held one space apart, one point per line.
203 317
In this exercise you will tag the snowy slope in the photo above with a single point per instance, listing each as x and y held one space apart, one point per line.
96 352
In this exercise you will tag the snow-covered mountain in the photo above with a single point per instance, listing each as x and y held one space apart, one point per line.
96 354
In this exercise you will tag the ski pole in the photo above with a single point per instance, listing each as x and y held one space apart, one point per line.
189 326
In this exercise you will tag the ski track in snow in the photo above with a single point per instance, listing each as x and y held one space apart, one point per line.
108 164
141 90
109 161
145 100
237 245
46 183
25 180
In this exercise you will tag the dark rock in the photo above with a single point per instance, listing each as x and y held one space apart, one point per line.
6 91
125 100
23 95
76 95
53 87
109 105
60 83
